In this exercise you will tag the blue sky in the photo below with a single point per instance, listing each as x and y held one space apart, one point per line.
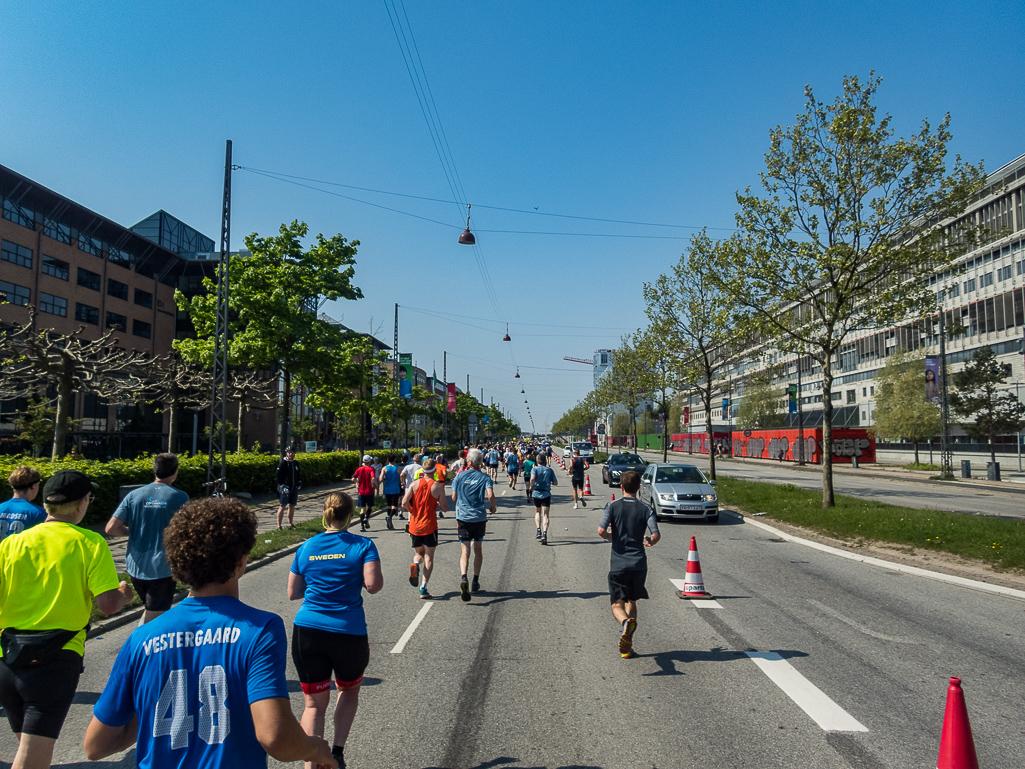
647 112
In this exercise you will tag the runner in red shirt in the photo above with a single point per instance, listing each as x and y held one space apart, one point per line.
366 479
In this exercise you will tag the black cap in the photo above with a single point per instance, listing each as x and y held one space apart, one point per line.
67 486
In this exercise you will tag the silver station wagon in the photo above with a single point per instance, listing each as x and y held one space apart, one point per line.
679 491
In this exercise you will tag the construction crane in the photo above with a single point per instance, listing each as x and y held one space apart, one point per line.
578 360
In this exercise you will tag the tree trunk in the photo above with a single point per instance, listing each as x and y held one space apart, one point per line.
992 441
916 453
286 411
827 435
707 398
173 411
60 419
241 423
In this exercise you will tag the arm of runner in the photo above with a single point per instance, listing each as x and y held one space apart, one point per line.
113 601
373 577
282 736
408 496
296 586
603 525
440 496
491 499
102 740
116 527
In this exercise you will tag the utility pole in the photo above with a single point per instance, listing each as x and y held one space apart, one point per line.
395 378
219 396
946 455
800 417
444 375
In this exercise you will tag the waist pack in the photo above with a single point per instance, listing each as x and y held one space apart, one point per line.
29 648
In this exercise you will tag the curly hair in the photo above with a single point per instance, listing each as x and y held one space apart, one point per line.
338 510
207 538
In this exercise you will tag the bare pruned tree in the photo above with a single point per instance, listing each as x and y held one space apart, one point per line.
175 384
250 390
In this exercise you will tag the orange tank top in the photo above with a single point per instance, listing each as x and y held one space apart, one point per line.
423 518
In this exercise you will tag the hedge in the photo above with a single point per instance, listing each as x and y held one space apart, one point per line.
246 472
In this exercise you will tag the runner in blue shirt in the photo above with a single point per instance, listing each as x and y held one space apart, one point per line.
512 467
539 484
391 487
18 513
472 490
329 635
203 685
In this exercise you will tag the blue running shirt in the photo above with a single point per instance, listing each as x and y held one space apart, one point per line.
332 565
190 675
18 514
543 477
471 488
391 480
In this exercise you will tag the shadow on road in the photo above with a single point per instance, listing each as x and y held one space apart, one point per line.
666 661
508 760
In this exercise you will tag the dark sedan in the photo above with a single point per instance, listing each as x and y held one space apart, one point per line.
617 464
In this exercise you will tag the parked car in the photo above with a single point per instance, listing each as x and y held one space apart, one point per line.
617 464
679 491
586 450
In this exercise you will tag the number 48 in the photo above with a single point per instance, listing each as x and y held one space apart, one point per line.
214 718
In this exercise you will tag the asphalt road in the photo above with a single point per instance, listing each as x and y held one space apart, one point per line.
947 497
527 674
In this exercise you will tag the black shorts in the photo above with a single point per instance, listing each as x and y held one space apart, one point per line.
627 585
469 530
319 653
392 500
540 502
37 699
578 483
288 496
425 540
365 500
155 594
514 472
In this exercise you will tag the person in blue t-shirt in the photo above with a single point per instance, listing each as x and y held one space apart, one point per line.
203 685
391 487
329 635
472 491
539 484
18 513
512 467
142 516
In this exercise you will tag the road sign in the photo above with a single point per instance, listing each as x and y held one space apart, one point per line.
473 419
601 429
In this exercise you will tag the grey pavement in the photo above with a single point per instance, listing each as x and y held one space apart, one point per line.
527 674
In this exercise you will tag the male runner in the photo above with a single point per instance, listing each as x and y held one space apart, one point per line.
365 482
441 476
528 465
628 566
391 487
142 516
577 466
512 467
493 459
539 486
203 685
421 500
410 473
469 491
18 513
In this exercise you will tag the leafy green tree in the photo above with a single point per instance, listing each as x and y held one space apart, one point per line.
759 407
901 410
36 425
276 290
661 372
836 242
978 399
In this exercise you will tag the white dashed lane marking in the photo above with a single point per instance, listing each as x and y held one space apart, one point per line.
404 639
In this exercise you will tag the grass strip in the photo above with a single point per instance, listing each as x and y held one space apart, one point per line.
997 541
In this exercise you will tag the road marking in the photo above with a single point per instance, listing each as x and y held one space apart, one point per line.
698 603
411 629
808 697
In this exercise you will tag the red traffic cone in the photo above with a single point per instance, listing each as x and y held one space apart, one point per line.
693 584
587 487
613 497
957 748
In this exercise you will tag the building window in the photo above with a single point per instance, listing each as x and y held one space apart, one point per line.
864 391
872 390
57 231
142 328
986 280
15 254
87 279
90 245
852 396
120 321
117 289
143 298
14 294
53 305
969 286
55 267
87 314
954 290
26 217
117 256
1005 273
1020 267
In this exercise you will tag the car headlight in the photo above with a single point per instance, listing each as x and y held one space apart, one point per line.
667 497
708 498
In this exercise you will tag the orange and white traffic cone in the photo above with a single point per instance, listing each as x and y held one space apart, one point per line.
957 748
587 487
693 583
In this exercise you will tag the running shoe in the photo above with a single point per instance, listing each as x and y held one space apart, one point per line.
337 753
414 574
538 535
441 514
464 590
544 538
574 505
628 655
424 595
626 641
388 522
402 516
475 586
583 502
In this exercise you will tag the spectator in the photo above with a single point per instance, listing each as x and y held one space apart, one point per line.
289 482
142 516
18 513
49 576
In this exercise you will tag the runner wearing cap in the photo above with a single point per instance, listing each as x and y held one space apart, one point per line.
422 501
365 481
49 576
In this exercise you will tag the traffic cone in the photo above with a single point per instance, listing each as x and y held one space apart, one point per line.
587 487
693 584
613 497
957 748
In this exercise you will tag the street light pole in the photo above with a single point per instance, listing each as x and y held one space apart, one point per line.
800 417
946 455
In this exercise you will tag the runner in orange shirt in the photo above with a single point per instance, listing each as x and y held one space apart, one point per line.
422 500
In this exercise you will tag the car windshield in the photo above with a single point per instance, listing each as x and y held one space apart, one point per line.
678 475
625 459
582 446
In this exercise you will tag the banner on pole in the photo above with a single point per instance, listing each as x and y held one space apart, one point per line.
792 399
686 415
451 399
406 375
932 379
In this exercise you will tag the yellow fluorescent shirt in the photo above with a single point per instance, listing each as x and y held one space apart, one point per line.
49 575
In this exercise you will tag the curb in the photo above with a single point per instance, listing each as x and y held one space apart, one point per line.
985 587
